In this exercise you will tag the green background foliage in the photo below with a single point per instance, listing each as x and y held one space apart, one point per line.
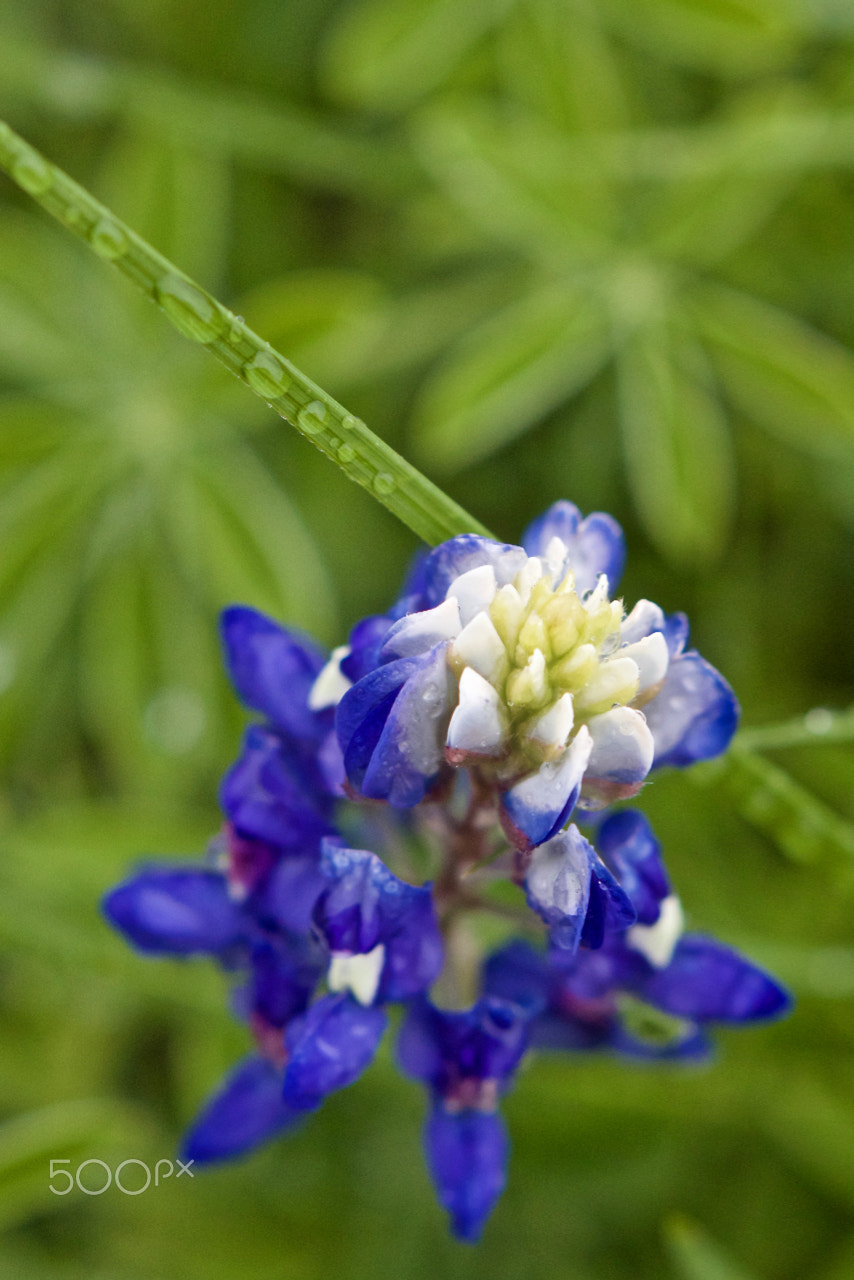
600 249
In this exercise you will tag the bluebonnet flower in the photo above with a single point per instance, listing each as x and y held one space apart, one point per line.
515 662
502 694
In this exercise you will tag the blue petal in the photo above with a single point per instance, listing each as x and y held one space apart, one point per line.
363 711
366 905
329 1048
536 808
267 798
626 842
411 748
176 912
428 583
366 640
695 714
467 1155
519 974
291 892
595 545
610 910
272 669
245 1112
706 981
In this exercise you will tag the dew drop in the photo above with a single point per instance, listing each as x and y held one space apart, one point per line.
266 376
346 453
384 483
108 240
312 417
349 422
31 172
192 312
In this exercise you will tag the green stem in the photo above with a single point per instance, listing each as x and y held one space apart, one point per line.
340 435
818 725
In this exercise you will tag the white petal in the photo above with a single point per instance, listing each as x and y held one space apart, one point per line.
623 746
554 726
478 725
555 558
480 646
559 873
598 595
331 683
530 573
644 618
418 632
652 658
474 591
656 942
615 680
357 973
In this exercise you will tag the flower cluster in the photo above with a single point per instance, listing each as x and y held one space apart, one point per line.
504 693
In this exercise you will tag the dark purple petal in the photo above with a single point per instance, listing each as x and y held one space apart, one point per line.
467 1156
366 905
595 545
626 843
246 1111
329 1048
273 670
445 1049
267 798
176 912
695 714
283 977
706 981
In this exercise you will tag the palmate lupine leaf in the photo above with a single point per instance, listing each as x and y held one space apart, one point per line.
508 373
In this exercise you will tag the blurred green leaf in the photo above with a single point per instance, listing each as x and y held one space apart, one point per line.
557 58
677 448
794 381
802 827
507 374
388 53
69 1131
730 37
696 1256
